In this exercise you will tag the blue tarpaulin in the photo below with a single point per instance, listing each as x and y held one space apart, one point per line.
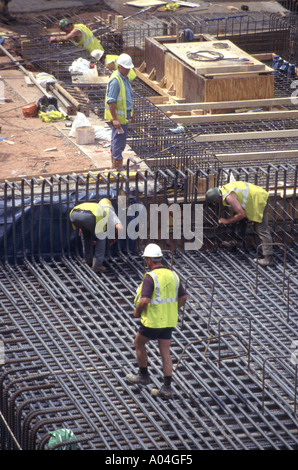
41 228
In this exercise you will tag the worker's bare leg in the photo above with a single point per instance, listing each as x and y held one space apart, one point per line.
142 377
141 352
167 364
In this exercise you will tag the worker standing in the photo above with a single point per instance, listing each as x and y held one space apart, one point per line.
110 62
247 201
157 302
79 34
95 220
119 108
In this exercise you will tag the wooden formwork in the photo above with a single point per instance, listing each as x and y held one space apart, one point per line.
172 66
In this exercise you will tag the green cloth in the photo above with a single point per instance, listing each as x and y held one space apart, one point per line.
62 435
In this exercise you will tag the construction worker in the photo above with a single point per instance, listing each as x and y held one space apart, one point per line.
79 35
157 302
96 222
247 201
110 62
119 108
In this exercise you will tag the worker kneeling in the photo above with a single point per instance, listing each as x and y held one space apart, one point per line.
96 222
157 302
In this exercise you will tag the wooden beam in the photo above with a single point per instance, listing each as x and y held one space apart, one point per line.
252 116
247 135
152 74
150 83
228 104
142 67
264 56
163 82
119 22
258 156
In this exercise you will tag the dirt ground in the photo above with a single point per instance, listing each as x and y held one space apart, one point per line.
30 147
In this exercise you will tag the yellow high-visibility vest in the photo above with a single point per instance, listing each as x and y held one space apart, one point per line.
252 198
88 41
121 110
162 311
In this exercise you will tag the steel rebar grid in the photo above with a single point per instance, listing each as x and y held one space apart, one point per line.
67 327
218 403
239 27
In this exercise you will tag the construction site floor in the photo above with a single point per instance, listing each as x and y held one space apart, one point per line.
68 333
31 147
73 332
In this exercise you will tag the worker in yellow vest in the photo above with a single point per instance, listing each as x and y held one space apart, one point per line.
247 201
119 108
157 302
79 34
97 223
110 62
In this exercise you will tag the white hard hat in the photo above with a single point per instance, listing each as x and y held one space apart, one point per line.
152 251
125 61
97 54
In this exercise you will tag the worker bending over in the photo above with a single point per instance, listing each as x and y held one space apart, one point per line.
247 201
157 302
79 35
95 221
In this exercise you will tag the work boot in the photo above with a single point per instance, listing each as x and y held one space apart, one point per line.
99 269
141 379
232 244
163 392
117 164
266 261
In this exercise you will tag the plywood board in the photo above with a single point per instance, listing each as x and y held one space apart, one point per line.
150 3
259 87
145 3
90 78
229 63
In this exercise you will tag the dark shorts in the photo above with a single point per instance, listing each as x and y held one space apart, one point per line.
84 220
156 333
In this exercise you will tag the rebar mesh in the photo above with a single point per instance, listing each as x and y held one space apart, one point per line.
68 333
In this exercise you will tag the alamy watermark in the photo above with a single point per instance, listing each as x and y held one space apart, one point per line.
2 92
165 221
2 355
294 95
